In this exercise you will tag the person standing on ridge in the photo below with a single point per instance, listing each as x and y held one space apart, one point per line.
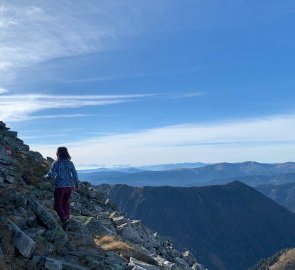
66 179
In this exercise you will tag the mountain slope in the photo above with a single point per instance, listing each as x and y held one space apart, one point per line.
228 227
283 260
282 194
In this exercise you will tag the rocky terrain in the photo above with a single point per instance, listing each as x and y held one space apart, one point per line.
282 260
99 236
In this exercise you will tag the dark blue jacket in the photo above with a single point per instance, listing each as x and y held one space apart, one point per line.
64 173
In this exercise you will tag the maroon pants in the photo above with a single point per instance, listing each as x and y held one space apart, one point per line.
62 201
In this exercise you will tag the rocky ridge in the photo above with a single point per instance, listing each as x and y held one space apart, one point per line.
282 260
99 236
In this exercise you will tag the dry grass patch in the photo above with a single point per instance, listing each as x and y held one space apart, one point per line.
285 262
113 243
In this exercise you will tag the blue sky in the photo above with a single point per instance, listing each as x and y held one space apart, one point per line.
146 82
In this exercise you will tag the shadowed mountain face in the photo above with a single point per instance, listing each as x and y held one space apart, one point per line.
251 173
227 227
282 194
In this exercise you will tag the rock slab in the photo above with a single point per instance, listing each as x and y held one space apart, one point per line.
22 242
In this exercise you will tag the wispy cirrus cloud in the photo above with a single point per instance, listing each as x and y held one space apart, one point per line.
268 139
32 32
186 95
36 31
21 107
39 117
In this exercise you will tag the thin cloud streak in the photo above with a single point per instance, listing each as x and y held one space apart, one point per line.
38 117
186 95
3 91
264 139
16 107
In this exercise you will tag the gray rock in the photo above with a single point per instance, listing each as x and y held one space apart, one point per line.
115 214
75 197
138 268
189 258
53 264
1 179
108 224
38 259
1 252
9 179
78 233
22 242
166 264
86 212
136 263
72 266
18 199
197 266
94 226
116 261
56 233
119 220
20 221
47 263
181 262
35 232
134 231
169 266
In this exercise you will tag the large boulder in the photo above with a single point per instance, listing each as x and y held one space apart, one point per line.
134 231
96 228
48 263
79 234
55 233
141 265
21 241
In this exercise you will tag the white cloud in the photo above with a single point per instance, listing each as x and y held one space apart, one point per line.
3 91
32 32
267 139
21 107
186 95
38 117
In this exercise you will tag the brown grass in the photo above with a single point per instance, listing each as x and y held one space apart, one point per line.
113 243
285 262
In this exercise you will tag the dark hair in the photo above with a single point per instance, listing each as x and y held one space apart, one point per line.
62 153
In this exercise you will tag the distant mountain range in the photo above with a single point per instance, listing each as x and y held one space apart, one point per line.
158 167
251 173
228 227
